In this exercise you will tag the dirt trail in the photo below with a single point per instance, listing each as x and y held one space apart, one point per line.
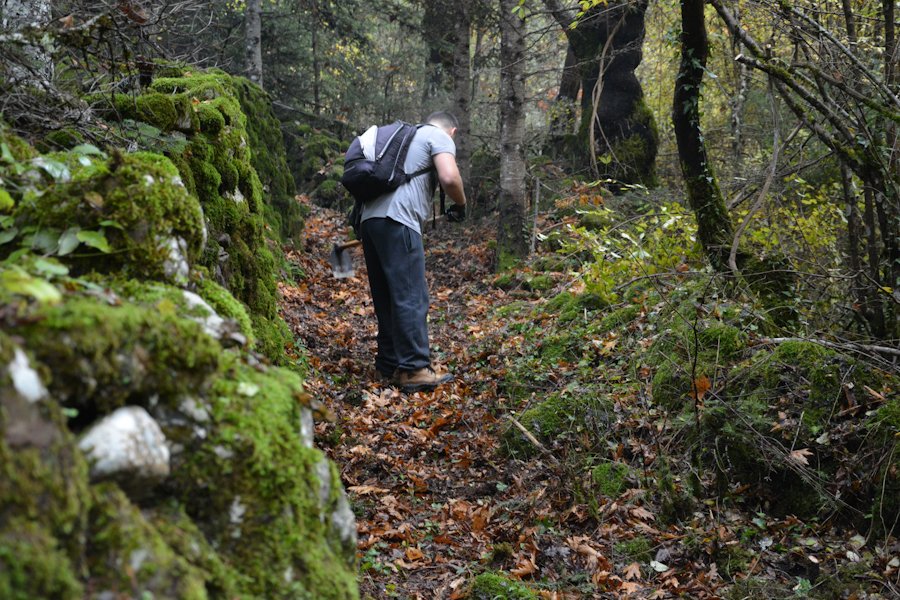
421 468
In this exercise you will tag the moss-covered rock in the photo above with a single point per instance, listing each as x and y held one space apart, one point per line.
129 213
106 356
235 166
254 500
253 510
561 414
269 159
98 321
129 556
690 352
33 566
494 586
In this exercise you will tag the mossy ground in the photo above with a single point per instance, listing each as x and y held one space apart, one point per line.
493 586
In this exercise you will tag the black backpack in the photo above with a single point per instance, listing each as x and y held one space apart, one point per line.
367 179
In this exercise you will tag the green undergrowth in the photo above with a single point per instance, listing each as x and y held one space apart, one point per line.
640 347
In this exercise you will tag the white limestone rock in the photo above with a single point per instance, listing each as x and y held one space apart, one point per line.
126 444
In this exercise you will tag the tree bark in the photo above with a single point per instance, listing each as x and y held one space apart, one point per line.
253 42
512 241
714 227
563 118
33 67
447 26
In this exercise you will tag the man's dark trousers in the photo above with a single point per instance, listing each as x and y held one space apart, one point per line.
395 260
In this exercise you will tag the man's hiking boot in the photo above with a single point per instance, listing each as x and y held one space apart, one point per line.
422 380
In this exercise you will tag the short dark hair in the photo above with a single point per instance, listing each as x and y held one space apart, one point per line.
443 118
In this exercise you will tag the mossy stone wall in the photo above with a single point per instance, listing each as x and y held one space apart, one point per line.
236 167
113 317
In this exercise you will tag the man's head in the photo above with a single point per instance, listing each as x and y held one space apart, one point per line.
445 121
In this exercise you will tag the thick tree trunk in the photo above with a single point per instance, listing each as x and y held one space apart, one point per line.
512 241
616 125
21 19
713 224
253 42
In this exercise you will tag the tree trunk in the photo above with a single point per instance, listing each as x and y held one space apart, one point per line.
33 67
713 224
562 121
512 241
253 42
616 125
461 75
447 26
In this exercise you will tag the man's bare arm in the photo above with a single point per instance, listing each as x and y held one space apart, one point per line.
448 175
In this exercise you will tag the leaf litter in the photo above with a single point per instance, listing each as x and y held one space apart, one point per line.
436 501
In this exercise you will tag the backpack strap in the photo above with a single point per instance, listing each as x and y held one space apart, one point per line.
428 169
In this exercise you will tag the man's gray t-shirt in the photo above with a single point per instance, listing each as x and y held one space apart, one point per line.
410 204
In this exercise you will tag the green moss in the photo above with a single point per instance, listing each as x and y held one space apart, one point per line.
138 203
818 365
559 415
511 309
211 120
269 159
107 356
203 85
618 317
33 566
725 341
883 429
157 109
62 139
638 549
610 478
329 194
506 281
43 492
272 336
226 305
506 261
129 556
539 283
268 478
493 586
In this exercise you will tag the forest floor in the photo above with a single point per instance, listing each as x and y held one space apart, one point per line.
438 501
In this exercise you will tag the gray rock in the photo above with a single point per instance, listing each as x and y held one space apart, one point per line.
127 444
341 520
307 427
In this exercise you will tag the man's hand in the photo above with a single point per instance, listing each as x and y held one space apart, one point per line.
456 213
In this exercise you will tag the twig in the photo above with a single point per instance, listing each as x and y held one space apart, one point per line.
534 441
847 346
